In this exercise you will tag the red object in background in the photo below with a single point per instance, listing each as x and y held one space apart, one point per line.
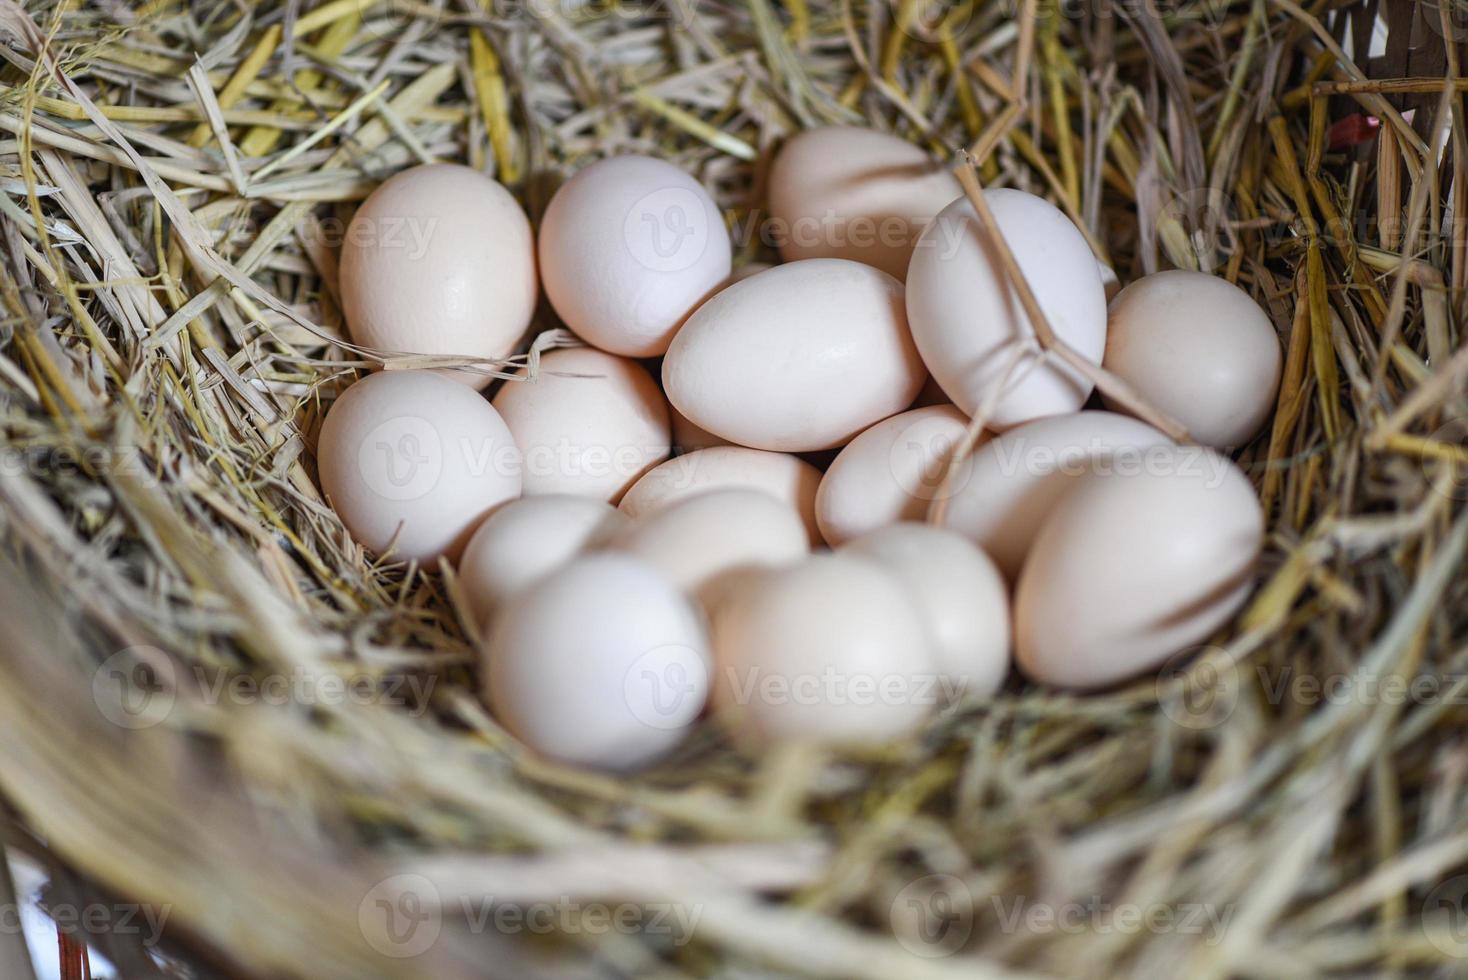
1353 130
74 962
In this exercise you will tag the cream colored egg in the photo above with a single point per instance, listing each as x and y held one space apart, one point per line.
832 650
797 358
963 598
526 539
846 192
968 322
413 461
602 663
891 472
590 424
698 539
785 477
1009 486
1135 567
628 248
439 260
1199 348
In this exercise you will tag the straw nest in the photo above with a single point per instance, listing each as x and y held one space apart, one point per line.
1288 802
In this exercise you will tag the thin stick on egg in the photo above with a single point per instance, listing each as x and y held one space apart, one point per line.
1113 387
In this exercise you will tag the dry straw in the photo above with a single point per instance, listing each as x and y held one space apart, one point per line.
1289 802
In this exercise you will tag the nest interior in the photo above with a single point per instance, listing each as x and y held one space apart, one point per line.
174 181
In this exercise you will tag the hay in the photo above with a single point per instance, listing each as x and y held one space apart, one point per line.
170 183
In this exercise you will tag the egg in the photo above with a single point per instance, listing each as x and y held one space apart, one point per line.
1200 349
601 664
891 472
590 424
439 260
413 461
628 248
785 477
1135 567
526 539
961 595
1008 487
796 358
832 650
970 327
846 192
698 539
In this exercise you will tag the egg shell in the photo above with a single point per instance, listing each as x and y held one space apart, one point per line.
1135 567
439 259
602 664
891 472
590 424
526 539
847 192
832 650
413 460
785 477
799 357
963 598
1009 486
628 248
1200 349
969 325
700 538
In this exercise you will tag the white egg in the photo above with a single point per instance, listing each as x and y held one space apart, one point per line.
889 473
967 320
1008 487
797 358
412 461
831 650
963 598
700 538
785 477
590 424
602 663
628 248
439 260
526 539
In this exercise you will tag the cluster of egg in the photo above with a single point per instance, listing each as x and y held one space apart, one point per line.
621 588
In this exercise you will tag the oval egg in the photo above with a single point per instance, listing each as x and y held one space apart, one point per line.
967 320
698 539
602 663
891 472
628 248
786 478
832 650
526 539
1200 349
848 192
590 424
439 259
1008 487
413 461
796 358
1134 567
963 598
